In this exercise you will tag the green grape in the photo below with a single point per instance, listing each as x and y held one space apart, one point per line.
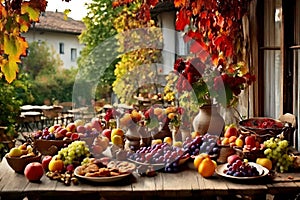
74 152
277 151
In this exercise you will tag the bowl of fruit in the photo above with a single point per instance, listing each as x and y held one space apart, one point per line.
264 127
18 157
49 140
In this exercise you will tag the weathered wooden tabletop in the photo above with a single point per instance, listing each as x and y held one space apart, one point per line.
187 184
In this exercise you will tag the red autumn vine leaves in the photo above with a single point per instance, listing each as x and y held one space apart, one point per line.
210 25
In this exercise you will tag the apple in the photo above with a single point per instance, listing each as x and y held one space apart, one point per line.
107 133
80 129
96 124
88 127
232 158
231 131
58 135
250 140
63 131
34 171
71 127
74 136
97 149
68 134
56 126
45 161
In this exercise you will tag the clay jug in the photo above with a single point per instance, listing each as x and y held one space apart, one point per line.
209 120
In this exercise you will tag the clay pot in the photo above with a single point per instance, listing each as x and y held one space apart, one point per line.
209 120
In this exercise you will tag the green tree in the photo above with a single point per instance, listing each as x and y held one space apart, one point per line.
41 59
99 29
49 79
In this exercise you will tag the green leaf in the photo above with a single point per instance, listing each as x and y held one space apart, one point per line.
32 13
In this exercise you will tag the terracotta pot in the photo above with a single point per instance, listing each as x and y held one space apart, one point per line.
209 120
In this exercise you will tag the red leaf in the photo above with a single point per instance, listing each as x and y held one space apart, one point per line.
152 3
178 3
182 20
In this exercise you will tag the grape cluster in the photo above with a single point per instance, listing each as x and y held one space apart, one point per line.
192 146
163 154
241 169
74 152
277 151
201 144
209 144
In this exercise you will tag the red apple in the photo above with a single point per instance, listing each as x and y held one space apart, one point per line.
34 171
56 126
96 124
107 133
58 135
45 162
231 131
250 140
68 134
58 129
80 129
232 158
88 127
74 136
71 127
63 131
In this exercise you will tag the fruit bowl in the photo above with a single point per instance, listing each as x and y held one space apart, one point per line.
50 147
264 127
18 164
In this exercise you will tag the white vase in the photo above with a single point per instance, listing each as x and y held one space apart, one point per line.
209 120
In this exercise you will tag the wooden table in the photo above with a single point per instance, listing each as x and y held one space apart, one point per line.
187 184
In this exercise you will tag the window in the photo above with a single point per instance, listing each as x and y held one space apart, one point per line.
279 57
73 54
61 48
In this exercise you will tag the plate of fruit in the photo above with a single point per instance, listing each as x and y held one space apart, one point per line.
159 156
241 170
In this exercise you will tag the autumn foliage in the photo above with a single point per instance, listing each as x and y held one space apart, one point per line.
16 17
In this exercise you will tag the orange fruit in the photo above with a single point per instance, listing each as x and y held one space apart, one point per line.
56 165
265 162
207 168
199 158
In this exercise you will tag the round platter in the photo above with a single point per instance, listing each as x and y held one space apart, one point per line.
156 165
101 179
262 171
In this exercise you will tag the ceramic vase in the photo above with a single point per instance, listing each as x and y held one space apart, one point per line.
209 120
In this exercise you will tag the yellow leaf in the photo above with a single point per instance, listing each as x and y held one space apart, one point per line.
32 12
24 22
10 70
9 45
66 13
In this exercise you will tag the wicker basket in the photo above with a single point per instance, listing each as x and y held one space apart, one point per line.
18 164
249 155
224 152
50 147
273 129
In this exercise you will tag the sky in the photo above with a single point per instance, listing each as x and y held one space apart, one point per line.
77 7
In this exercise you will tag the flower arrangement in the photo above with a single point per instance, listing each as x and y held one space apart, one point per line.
207 84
